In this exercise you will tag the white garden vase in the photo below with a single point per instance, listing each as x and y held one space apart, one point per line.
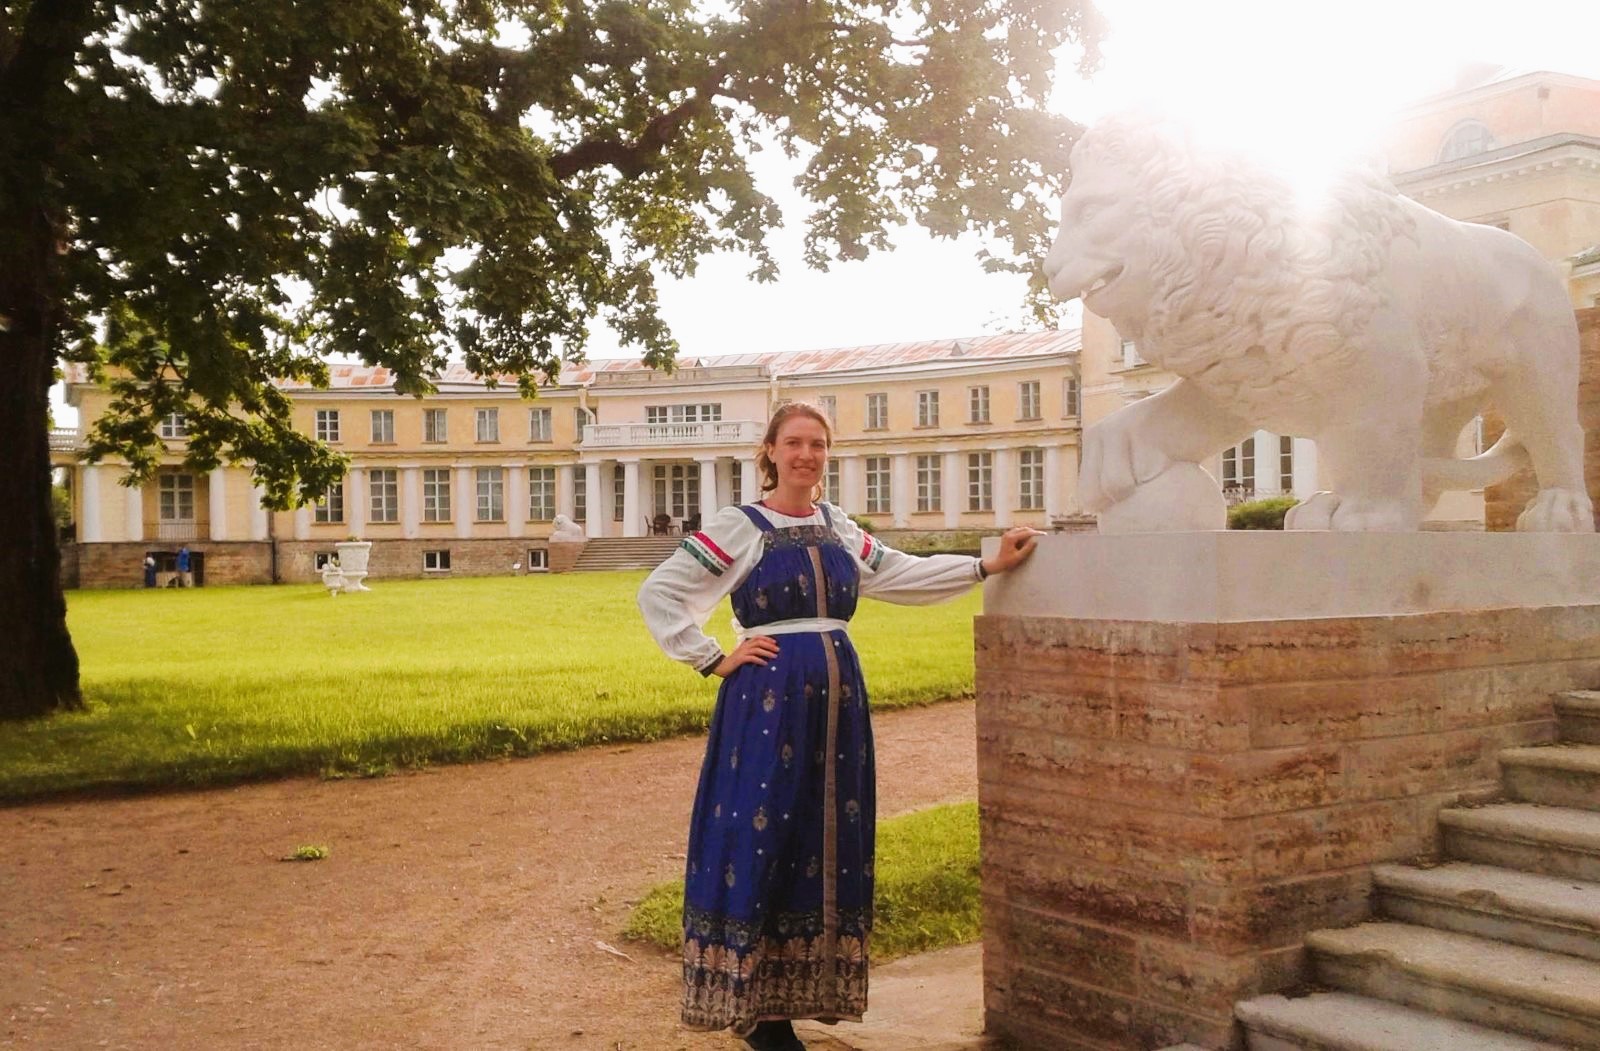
353 563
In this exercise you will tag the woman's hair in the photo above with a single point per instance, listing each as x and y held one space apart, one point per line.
764 464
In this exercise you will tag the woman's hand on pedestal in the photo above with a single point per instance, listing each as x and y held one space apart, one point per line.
1016 545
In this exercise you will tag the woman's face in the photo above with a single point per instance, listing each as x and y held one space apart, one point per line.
799 452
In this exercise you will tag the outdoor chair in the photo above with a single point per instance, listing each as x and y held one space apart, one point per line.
661 525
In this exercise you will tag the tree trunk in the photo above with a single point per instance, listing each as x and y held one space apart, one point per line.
38 666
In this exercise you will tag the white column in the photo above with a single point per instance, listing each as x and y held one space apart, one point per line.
355 500
1305 467
632 512
259 515
411 502
516 498
89 504
852 485
709 504
564 497
302 523
219 503
596 506
749 480
725 469
1052 482
133 512
954 476
1003 487
901 499
465 500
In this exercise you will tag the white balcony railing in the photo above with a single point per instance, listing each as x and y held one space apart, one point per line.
64 440
670 435
177 531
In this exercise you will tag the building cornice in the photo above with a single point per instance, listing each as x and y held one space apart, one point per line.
1453 99
1564 153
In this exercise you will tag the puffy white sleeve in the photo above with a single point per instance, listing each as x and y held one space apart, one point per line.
678 597
909 580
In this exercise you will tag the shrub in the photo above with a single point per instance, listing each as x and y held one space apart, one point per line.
1260 514
864 523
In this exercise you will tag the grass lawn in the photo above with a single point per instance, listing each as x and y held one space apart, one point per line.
926 893
214 685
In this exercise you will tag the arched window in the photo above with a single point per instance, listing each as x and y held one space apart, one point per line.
1466 139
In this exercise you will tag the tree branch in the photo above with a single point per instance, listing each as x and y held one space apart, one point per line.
634 158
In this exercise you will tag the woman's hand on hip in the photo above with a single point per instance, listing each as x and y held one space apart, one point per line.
754 649
1016 544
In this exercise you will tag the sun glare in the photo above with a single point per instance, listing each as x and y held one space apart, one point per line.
1312 85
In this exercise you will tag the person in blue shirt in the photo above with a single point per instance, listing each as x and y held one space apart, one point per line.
185 578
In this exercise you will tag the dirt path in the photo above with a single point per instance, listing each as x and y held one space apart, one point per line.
459 908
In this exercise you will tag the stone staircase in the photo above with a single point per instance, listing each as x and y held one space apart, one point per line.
1495 949
632 552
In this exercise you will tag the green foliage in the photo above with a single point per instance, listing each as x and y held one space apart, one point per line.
245 189
864 523
926 894
61 506
1266 513
415 672
307 853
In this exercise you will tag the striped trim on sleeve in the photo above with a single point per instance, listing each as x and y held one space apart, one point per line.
871 552
707 553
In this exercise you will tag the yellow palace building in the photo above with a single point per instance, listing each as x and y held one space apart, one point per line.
930 437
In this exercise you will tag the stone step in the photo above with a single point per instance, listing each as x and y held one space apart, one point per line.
1555 775
1343 1022
1542 912
1552 841
1578 714
1507 987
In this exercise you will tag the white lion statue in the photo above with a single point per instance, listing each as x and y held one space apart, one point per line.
1357 318
564 528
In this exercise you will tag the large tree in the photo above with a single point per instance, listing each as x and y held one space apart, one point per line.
199 197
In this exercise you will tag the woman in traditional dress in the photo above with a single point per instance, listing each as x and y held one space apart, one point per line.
778 889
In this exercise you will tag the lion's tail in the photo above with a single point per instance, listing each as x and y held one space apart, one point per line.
1495 464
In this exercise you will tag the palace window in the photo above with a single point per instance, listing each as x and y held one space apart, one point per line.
539 429
175 498
541 494
331 507
385 494
1285 464
580 494
436 494
929 486
1028 400
1239 467
1131 357
877 485
538 560
1467 139
978 404
980 481
1071 397
677 489
327 425
436 561
830 483
491 494
927 408
709 412
619 490
382 426
829 404
488 421
877 412
174 426
435 425
1030 480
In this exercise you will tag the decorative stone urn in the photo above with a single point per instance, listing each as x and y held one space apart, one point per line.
353 563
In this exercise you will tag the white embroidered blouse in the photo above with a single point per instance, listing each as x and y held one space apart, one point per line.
680 595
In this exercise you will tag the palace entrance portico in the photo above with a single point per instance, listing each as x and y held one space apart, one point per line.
634 472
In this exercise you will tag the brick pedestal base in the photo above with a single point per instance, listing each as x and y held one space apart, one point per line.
1169 804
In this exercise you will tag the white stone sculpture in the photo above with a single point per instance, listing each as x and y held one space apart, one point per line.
566 529
1354 317
352 559
332 577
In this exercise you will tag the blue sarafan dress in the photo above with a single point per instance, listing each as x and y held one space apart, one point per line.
778 883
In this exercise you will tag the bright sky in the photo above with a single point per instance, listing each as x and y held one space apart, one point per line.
1319 77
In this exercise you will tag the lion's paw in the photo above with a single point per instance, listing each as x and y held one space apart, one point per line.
1558 511
1316 512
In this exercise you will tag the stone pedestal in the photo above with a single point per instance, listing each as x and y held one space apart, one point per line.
1193 746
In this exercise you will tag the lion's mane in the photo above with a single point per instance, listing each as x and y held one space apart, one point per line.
1251 284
